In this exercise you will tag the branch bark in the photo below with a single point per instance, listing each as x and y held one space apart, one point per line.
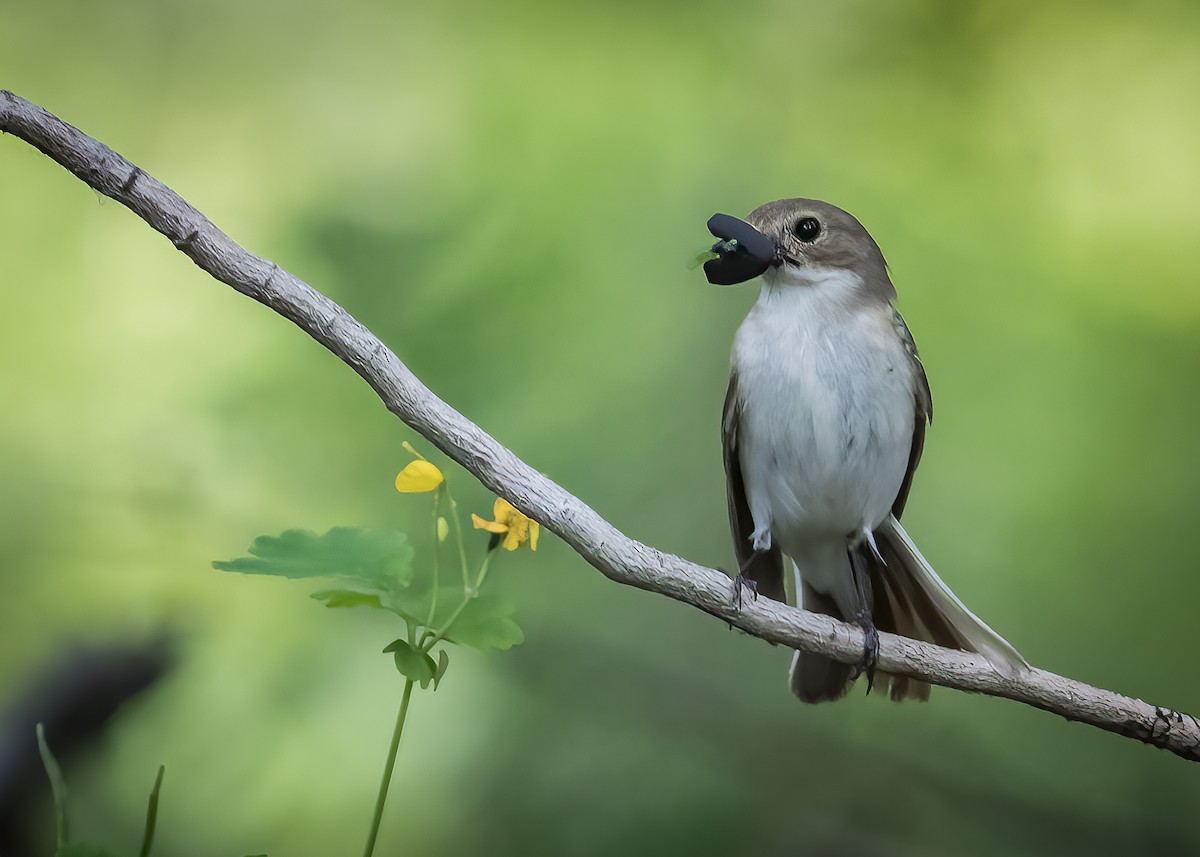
614 554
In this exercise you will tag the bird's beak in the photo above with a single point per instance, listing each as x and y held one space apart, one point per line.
741 254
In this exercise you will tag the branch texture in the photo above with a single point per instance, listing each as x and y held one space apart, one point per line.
614 554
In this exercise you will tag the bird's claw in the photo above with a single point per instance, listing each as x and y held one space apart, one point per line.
870 656
740 583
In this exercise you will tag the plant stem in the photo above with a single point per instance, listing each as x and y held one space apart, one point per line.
57 785
388 768
152 813
458 537
472 591
437 497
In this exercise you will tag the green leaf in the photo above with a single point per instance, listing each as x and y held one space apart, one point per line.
412 663
346 598
443 662
486 623
381 559
378 566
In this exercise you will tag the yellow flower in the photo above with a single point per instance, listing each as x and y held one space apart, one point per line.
516 527
419 476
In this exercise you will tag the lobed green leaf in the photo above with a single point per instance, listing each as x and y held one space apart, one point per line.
378 564
378 559
346 598
486 623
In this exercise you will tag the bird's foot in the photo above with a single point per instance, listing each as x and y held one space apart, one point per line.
741 584
870 656
741 581
862 586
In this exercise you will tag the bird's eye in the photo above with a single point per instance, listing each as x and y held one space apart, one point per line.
807 229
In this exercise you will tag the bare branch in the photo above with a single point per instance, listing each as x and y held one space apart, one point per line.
614 554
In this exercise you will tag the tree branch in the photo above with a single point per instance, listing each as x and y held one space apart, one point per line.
614 554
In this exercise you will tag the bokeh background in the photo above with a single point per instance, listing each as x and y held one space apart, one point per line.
508 194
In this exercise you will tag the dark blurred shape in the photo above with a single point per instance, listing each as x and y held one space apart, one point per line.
743 252
74 697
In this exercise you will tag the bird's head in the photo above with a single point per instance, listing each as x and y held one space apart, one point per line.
796 242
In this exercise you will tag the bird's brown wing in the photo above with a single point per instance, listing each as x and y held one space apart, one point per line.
764 568
900 607
923 405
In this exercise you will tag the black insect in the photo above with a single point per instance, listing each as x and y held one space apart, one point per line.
742 253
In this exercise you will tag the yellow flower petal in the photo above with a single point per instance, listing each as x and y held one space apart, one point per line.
504 511
419 476
490 526
518 528
443 529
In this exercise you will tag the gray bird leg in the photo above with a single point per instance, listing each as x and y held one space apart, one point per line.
862 616
742 582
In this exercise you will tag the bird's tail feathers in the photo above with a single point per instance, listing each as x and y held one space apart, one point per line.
813 677
911 600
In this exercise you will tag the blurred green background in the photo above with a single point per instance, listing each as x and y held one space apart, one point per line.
508 195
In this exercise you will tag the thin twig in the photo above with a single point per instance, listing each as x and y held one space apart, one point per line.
617 556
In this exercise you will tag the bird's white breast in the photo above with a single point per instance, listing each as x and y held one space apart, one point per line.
827 414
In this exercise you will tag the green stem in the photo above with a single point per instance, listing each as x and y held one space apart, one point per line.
57 785
471 592
437 497
458 537
388 768
152 813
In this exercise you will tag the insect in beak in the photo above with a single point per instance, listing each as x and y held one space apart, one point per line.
741 254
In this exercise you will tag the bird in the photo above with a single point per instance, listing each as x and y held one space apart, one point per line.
822 430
